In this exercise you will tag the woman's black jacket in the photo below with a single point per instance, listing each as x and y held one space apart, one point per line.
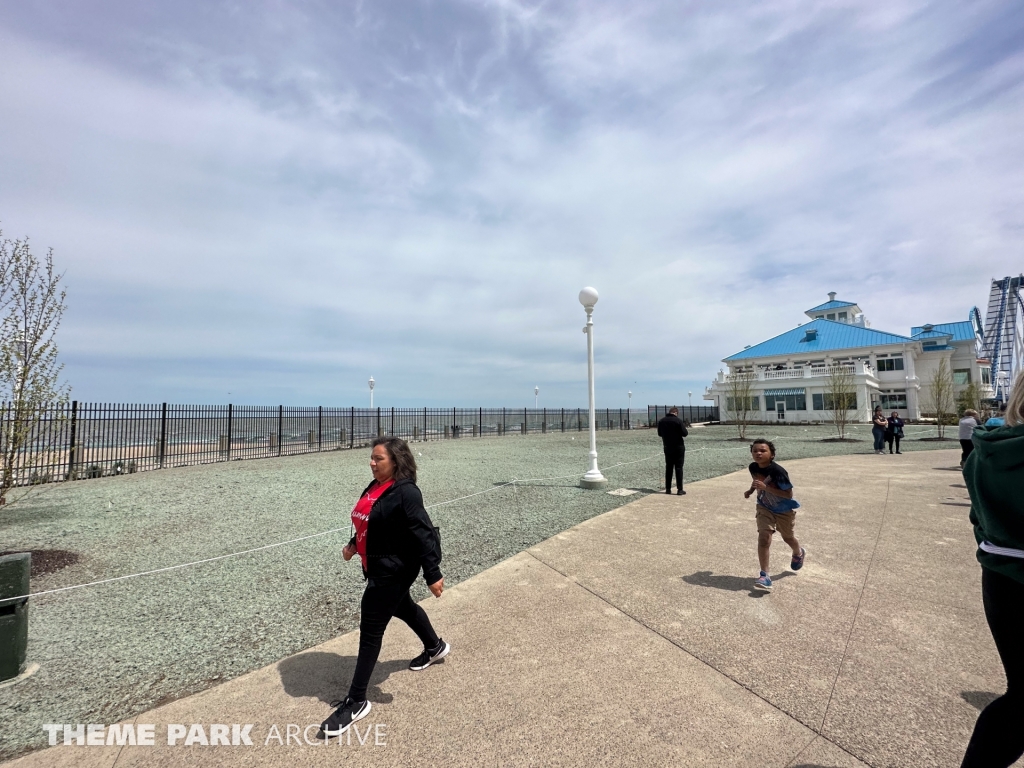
894 427
400 538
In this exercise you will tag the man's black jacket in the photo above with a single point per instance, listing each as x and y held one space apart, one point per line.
400 538
671 430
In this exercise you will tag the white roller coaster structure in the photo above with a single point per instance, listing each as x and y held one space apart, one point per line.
1001 338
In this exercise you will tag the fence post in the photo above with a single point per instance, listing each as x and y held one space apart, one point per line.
392 420
424 423
455 426
378 421
320 428
579 424
230 414
503 421
544 421
72 449
280 428
352 428
163 434
480 421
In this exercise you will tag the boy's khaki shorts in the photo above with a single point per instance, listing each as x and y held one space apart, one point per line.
769 521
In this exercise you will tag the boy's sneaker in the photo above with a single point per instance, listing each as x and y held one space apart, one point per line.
348 712
764 582
429 656
798 560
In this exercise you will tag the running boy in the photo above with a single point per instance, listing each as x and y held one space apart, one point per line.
776 508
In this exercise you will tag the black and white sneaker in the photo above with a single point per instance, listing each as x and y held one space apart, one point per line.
348 712
429 656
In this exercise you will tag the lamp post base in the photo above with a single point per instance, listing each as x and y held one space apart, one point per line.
593 481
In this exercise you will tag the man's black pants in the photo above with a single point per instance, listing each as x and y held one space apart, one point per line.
674 458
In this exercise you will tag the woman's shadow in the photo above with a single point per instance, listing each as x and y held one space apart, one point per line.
729 583
327 676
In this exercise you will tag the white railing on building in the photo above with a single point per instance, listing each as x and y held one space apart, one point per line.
861 368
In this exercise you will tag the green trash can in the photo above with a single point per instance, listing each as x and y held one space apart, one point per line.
14 573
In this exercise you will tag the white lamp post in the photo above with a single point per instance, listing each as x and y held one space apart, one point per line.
593 478
536 396
689 397
629 407
372 382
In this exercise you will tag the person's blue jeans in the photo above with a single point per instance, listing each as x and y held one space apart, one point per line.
879 434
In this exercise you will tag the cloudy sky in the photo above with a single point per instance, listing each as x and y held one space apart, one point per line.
266 202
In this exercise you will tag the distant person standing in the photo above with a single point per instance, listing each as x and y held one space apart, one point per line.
999 419
878 426
894 431
965 432
672 430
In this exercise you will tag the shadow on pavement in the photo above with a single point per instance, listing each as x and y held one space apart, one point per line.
327 675
978 699
729 583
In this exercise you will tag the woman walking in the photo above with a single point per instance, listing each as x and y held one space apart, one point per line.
878 425
894 431
394 539
994 474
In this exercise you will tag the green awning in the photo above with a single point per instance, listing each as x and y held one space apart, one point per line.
784 392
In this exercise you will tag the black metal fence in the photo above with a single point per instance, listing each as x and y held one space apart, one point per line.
86 440
688 413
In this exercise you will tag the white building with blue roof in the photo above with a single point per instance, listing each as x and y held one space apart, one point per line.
790 372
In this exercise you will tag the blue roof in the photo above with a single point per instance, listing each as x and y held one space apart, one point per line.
962 331
831 305
930 335
831 335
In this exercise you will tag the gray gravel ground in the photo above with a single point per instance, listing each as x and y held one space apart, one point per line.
111 651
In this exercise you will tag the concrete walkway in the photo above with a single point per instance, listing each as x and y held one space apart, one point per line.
635 639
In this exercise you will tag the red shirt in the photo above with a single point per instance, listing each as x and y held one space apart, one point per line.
361 516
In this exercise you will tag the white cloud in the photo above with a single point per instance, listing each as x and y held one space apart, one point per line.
279 204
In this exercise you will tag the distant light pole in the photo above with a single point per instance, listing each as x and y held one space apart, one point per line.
629 407
593 478
371 382
689 397
629 402
536 396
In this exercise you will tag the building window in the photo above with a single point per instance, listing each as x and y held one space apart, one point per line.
891 401
892 364
830 316
985 373
753 405
793 402
962 377
819 317
842 317
823 402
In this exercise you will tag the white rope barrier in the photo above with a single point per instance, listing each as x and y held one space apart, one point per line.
291 541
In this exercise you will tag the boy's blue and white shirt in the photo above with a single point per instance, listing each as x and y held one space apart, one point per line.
773 476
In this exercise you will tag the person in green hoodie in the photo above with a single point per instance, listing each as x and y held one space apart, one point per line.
994 473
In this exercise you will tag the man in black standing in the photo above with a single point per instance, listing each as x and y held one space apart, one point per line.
672 430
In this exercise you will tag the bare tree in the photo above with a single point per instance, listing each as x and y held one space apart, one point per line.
738 399
31 308
942 395
840 397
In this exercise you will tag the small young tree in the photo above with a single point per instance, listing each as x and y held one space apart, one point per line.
31 308
942 395
969 397
840 397
738 399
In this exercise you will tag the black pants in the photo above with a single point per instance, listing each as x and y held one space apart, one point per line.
381 602
998 738
674 458
890 438
966 446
